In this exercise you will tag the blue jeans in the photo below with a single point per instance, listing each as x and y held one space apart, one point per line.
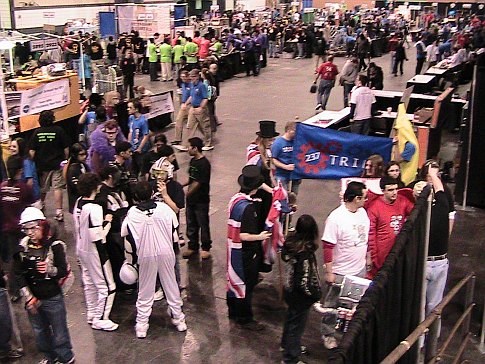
436 275
347 89
50 329
272 48
360 127
295 323
5 322
197 216
324 89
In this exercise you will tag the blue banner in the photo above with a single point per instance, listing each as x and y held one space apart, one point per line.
330 154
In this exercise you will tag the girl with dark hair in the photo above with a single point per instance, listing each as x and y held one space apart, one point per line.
18 147
393 169
76 165
42 268
302 284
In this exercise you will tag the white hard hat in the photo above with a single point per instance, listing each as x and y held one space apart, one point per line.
128 273
163 164
31 214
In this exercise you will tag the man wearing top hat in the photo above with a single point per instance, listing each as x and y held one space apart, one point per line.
259 153
244 251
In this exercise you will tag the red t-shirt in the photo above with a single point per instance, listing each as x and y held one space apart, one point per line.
386 222
327 71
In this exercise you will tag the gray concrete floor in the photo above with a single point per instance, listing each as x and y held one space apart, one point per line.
280 93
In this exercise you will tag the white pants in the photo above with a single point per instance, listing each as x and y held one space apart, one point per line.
99 284
164 265
166 71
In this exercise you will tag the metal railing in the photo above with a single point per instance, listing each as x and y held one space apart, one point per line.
431 326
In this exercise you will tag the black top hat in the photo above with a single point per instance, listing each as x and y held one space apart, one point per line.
267 129
250 178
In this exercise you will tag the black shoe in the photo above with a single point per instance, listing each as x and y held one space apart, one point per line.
252 326
12 354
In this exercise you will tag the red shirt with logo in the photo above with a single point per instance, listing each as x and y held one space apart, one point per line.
327 71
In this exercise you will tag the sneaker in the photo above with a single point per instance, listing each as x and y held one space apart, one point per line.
329 342
11 354
59 217
181 148
159 295
141 334
180 324
205 254
252 326
104 325
318 106
207 148
303 349
181 240
188 253
45 361
291 228
72 361
176 142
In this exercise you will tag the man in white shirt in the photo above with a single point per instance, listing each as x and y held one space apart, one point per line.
432 52
361 101
150 227
344 251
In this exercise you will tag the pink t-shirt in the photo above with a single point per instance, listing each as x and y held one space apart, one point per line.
204 48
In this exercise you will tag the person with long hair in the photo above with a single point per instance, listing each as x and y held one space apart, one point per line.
302 284
374 167
18 147
41 265
76 165
393 169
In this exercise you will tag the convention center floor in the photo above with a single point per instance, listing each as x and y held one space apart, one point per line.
280 93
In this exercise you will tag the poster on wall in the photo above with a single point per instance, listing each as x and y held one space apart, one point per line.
146 19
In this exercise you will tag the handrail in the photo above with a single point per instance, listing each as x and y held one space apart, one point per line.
423 327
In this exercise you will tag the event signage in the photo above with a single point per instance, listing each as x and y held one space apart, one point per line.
40 45
330 154
49 96
160 104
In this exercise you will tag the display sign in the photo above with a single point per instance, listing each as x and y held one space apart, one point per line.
49 96
40 45
146 19
48 15
160 104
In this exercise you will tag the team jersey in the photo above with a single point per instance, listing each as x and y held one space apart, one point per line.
91 229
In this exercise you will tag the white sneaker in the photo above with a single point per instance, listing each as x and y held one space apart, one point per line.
159 295
329 342
141 331
207 148
105 325
180 324
180 148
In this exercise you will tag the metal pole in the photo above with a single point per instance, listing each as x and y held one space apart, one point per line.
425 261
481 346
3 102
470 134
470 288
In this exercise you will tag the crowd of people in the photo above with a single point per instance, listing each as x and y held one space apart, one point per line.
125 197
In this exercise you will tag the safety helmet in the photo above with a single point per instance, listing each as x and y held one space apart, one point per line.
160 166
128 273
31 214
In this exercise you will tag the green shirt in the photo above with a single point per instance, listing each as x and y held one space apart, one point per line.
190 51
183 41
218 48
165 53
152 52
178 51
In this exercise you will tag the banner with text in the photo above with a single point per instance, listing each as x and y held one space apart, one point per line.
330 154
159 105
49 96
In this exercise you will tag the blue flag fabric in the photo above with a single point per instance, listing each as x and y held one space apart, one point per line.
330 154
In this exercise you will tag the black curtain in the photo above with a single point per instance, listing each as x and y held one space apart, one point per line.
476 181
390 309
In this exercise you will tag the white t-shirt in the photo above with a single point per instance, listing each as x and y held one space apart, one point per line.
363 98
349 231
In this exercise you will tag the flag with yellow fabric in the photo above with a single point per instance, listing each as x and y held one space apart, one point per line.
405 134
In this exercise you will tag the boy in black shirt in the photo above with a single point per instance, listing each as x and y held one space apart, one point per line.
197 201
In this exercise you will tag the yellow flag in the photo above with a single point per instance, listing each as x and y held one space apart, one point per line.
405 132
